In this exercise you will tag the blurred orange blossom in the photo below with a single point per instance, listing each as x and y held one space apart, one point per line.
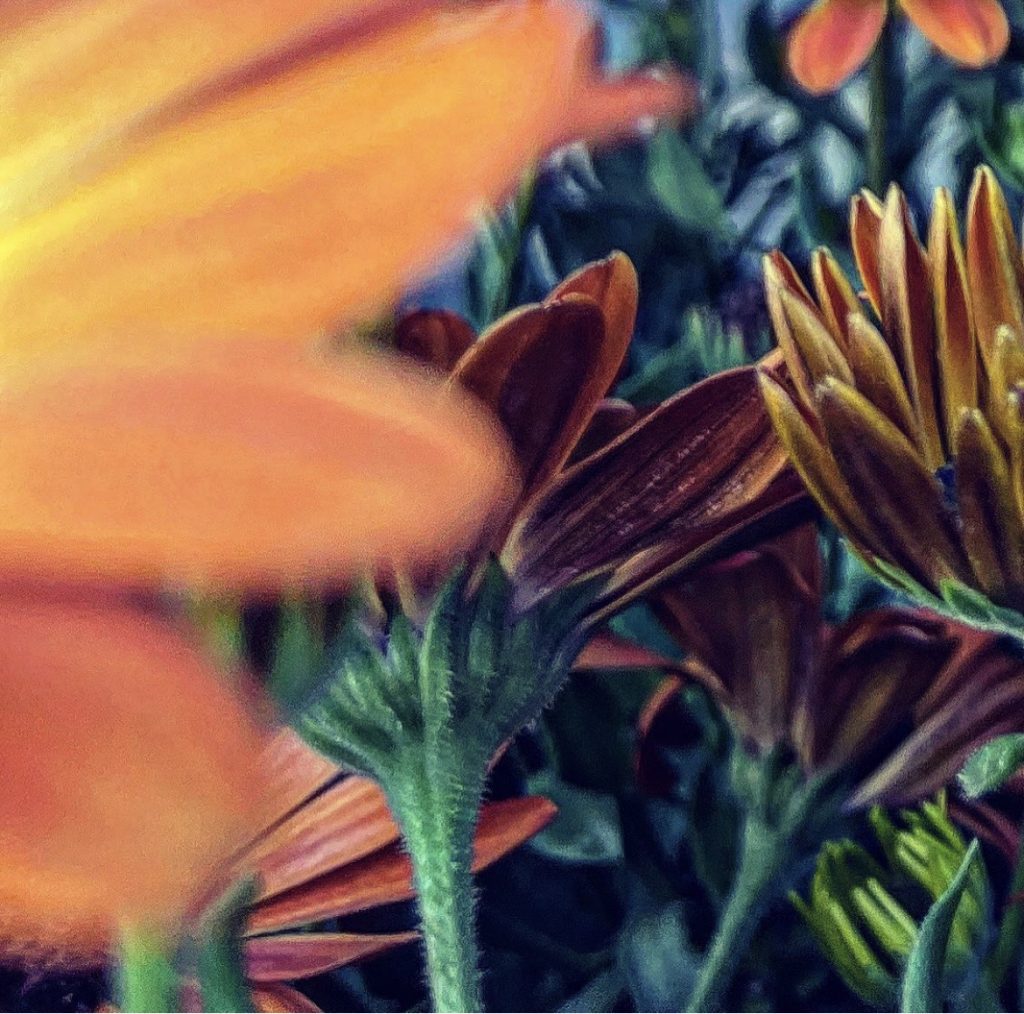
175 171
835 37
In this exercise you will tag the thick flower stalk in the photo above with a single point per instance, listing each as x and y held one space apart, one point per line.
835 37
330 850
903 411
883 709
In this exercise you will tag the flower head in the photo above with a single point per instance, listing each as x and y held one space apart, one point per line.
835 37
609 493
904 415
892 701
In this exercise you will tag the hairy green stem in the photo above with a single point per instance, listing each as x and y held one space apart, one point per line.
878 168
437 812
763 851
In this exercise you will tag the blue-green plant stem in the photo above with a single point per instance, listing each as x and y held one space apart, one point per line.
437 813
763 852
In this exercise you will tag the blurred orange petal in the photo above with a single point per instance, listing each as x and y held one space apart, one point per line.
298 180
972 32
130 768
253 475
833 40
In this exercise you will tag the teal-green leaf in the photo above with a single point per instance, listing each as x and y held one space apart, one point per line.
991 765
922 983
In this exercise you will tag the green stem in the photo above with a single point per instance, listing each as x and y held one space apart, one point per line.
146 977
763 852
437 813
1008 940
878 113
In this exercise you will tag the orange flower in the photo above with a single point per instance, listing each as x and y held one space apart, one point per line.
608 491
330 850
259 171
835 37
891 703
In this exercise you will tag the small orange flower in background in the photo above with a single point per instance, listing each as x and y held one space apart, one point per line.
176 173
835 37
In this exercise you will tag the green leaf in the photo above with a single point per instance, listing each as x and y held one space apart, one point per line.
990 766
298 668
587 830
922 984
679 182
221 960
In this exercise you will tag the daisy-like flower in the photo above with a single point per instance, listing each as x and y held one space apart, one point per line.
835 37
175 174
330 849
904 415
609 492
891 703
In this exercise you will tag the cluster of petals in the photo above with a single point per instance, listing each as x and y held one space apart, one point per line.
904 411
890 703
612 494
194 193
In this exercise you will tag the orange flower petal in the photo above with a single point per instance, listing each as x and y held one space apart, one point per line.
832 40
606 650
347 822
885 471
954 314
542 370
286 956
130 772
908 315
990 525
835 295
277 998
251 475
385 876
438 338
972 32
994 270
865 232
295 772
696 470
302 187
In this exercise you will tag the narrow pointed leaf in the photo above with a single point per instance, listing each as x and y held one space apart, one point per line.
922 982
